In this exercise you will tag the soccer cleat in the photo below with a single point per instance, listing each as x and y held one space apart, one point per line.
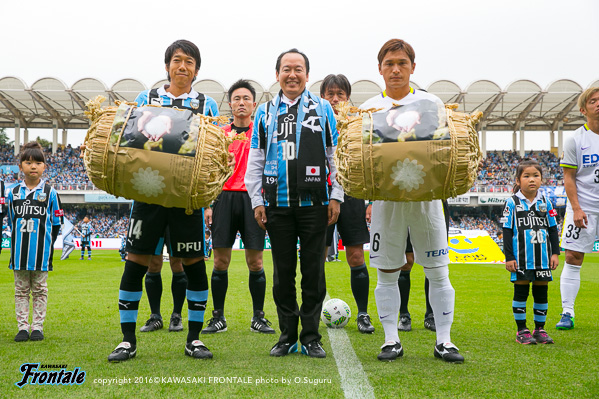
124 351
364 324
390 351
154 323
36 335
429 322
197 350
283 349
541 336
175 324
260 324
405 322
525 337
22 336
216 324
314 349
448 352
81 258
566 323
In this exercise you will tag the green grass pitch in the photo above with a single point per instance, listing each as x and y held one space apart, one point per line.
82 328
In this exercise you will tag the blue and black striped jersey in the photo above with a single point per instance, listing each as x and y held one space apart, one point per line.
197 103
31 215
531 245
86 231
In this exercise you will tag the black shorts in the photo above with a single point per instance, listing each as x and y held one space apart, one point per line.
149 223
86 244
410 249
531 275
351 223
166 240
232 212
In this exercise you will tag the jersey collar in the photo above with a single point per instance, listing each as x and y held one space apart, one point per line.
523 198
384 93
162 92
28 191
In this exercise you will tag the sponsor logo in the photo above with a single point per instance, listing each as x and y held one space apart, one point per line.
584 148
590 159
437 253
31 375
2 201
491 200
156 101
383 317
519 310
552 212
506 211
543 273
287 126
26 208
503 220
58 213
569 241
124 304
189 246
519 208
530 220
446 313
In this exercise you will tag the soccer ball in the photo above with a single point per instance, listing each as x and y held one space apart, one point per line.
335 313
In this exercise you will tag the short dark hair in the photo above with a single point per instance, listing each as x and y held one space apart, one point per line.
32 151
293 50
242 84
188 48
333 80
396 45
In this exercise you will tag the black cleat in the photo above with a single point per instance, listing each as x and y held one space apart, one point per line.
216 324
364 324
541 336
36 335
283 349
260 324
22 336
124 351
448 352
314 349
390 351
175 324
429 322
197 350
154 323
405 322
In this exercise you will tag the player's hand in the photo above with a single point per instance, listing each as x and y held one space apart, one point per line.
554 262
511 266
580 219
334 209
208 216
369 213
260 216
231 159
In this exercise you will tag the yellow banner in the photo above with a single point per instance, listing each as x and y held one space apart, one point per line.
473 246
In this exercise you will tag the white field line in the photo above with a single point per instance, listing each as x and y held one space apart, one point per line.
354 380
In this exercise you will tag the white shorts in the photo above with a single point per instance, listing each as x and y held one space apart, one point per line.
391 222
576 238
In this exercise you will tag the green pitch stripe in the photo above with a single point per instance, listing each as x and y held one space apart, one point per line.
354 380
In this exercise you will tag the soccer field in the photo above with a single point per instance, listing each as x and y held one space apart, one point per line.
82 328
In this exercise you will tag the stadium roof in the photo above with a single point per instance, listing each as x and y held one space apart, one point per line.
522 105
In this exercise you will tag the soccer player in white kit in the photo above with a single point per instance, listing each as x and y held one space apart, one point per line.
391 222
580 161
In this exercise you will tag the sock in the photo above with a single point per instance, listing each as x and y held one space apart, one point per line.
429 309
89 252
386 295
257 283
540 304
360 285
197 295
178 288
154 291
220 284
442 297
82 252
519 305
404 284
569 286
129 296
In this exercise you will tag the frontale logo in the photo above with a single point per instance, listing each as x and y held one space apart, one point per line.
32 376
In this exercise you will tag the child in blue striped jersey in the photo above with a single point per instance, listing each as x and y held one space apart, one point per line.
35 216
531 248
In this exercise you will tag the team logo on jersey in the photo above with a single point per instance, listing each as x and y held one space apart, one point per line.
194 103
156 101
42 197
542 206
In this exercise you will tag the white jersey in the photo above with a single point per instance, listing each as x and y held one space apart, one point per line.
581 152
391 221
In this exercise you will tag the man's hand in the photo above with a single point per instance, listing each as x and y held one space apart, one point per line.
231 159
208 216
554 262
580 219
334 208
369 213
260 216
